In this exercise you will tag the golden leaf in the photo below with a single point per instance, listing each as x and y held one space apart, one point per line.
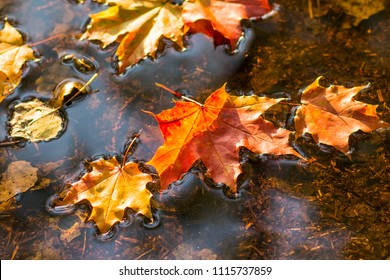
111 188
35 121
13 54
19 177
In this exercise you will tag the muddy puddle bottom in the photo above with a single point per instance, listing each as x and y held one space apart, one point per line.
334 208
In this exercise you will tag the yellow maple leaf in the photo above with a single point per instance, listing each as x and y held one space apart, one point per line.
138 26
13 54
111 188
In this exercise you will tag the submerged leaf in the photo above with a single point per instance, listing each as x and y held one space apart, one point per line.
18 178
361 9
13 55
213 132
35 121
331 115
111 188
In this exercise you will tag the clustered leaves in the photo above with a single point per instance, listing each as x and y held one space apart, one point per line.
139 26
212 132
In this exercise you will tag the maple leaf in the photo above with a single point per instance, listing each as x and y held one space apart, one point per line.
213 132
331 115
110 188
224 16
13 55
138 26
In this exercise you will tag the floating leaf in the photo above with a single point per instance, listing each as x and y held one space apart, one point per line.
35 121
19 177
138 26
213 132
223 17
111 188
331 115
13 55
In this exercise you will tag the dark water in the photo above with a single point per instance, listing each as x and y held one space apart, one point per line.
333 209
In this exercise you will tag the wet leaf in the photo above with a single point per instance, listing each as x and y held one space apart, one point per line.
19 177
111 188
361 9
223 17
213 132
35 121
331 115
13 55
138 26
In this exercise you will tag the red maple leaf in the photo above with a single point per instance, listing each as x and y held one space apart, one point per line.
214 132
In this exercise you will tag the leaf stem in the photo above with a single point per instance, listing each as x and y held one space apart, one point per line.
179 95
128 148
46 40
59 107
290 103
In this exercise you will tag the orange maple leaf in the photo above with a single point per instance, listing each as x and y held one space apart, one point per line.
110 188
331 115
213 132
222 16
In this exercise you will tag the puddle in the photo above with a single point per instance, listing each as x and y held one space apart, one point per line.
288 210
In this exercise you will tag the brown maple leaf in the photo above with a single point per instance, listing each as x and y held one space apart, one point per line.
13 55
213 17
331 115
138 26
110 188
213 132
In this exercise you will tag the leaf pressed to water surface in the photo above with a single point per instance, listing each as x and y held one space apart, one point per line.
331 115
214 132
138 26
13 55
19 177
111 188
35 121
224 17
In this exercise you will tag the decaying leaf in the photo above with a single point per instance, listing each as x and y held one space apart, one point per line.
138 26
213 132
331 115
19 177
35 121
222 16
13 55
111 188
361 9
